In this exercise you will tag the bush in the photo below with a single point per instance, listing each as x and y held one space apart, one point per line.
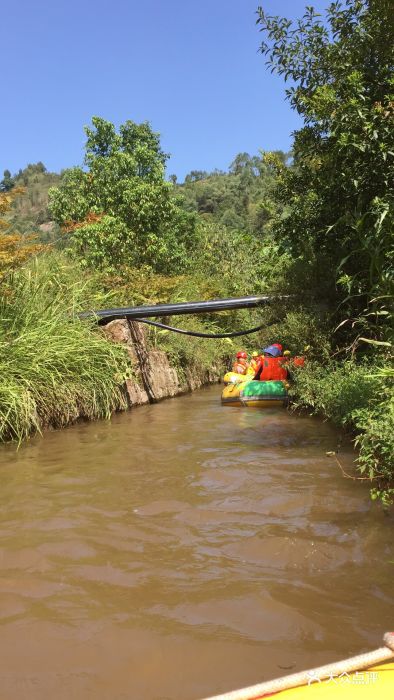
376 440
296 330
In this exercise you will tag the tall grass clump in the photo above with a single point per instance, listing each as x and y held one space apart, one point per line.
53 367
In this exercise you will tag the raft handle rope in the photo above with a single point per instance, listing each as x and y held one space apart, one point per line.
197 334
356 663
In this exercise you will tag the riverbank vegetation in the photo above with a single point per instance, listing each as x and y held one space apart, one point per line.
337 223
316 224
53 368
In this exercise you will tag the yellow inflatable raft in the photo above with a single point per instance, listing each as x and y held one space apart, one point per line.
363 677
373 683
235 378
377 682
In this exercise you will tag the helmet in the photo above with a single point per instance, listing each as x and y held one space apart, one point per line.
272 350
242 354
255 353
277 345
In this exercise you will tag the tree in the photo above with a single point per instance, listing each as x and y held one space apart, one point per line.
14 248
120 210
7 182
196 175
241 162
338 192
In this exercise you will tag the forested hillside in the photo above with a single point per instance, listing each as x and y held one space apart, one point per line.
239 199
29 212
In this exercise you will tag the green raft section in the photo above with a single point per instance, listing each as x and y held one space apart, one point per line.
255 394
271 389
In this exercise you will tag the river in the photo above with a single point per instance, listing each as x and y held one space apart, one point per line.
183 549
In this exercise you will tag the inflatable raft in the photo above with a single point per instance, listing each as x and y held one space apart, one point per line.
255 394
373 683
363 677
235 378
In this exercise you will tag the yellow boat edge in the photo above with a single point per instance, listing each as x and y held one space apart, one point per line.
376 682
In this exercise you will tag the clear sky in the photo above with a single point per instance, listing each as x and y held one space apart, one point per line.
190 67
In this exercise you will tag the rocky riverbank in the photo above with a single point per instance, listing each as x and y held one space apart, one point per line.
154 378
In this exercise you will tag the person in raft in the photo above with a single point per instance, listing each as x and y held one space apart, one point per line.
254 362
271 364
240 365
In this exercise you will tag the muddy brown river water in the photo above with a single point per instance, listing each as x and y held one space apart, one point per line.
184 549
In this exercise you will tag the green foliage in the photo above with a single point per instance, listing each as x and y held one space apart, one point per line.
120 210
336 390
53 367
339 196
349 395
194 355
100 239
131 286
7 183
240 199
376 444
225 263
296 330
334 214
236 262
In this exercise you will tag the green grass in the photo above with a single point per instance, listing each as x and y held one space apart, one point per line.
53 367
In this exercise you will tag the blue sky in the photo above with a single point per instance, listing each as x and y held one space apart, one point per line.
191 68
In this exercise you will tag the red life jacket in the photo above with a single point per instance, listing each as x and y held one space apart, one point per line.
272 369
299 361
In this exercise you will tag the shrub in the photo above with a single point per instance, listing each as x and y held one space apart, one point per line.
297 329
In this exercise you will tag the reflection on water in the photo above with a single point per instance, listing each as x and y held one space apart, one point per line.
184 549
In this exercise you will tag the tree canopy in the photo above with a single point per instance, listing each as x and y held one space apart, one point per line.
7 183
338 193
119 208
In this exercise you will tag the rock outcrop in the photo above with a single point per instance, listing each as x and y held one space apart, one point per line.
153 377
